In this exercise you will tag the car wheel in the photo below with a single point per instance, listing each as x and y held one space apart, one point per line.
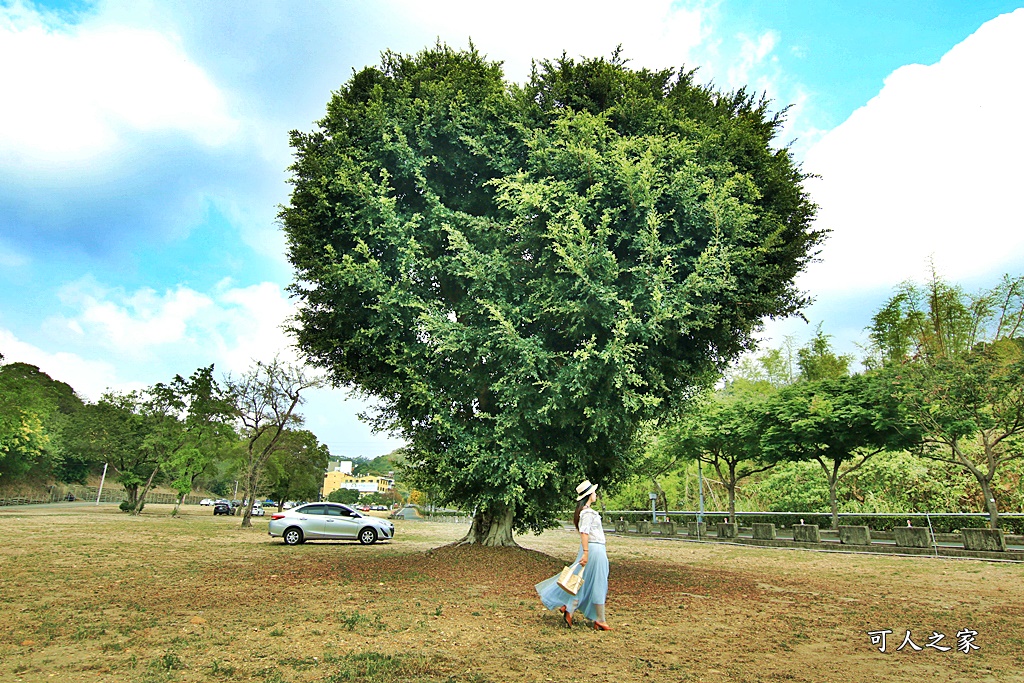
292 536
368 536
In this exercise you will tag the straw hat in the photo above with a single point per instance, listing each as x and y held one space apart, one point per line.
585 489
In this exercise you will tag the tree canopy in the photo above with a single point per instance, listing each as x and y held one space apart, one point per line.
955 362
523 275
34 413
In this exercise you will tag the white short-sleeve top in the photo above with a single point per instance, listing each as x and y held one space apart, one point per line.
590 524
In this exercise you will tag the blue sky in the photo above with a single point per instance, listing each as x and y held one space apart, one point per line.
143 154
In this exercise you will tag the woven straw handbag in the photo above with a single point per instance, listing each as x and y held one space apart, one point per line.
569 580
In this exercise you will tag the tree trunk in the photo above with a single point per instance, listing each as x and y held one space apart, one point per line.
990 502
142 496
731 488
247 493
984 478
833 483
250 498
177 504
492 528
835 504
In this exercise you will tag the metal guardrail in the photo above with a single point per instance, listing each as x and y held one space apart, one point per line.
448 519
726 513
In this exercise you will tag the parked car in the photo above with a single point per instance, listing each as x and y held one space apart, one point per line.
323 521
223 507
257 510
206 501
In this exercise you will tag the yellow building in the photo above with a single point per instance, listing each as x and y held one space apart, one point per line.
337 479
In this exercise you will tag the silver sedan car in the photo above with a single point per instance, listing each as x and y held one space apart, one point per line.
323 521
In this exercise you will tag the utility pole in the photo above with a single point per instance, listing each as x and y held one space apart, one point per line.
700 486
102 479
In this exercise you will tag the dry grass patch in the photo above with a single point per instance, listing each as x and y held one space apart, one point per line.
90 594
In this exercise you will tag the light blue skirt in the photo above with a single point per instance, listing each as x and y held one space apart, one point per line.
593 592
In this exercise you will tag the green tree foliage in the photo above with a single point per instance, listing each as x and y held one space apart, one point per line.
197 412
113 431
942 320
792 486
34 413
380 466
839 423
376 498
295 471
817 360
954 361
726 434
903 482
521 276
970 410
182 422
346 496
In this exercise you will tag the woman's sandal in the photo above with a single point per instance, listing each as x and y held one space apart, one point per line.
601 626
566 616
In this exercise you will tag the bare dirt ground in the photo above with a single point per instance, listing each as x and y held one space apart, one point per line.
89 594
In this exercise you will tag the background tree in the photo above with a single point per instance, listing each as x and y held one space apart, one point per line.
267 398
203 410
726 434
817 360
839 423
34 412
382 465
346 496
112 431
941 320
296 469
954 361
521 276
969 410
180 419
903 482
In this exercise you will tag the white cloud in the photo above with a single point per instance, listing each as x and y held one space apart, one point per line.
89 378
132 324
252 323
78 89
653 33
753 53
150 336
230 326
931 167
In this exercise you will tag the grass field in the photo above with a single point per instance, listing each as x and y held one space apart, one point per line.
89 594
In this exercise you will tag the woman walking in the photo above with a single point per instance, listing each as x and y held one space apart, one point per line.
594 560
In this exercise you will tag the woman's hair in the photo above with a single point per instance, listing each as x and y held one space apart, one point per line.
580 504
